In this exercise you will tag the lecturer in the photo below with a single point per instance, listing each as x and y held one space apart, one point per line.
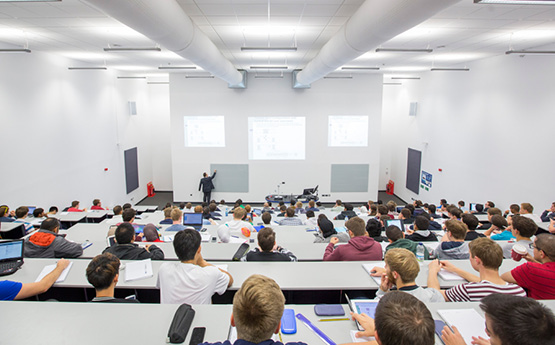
207 186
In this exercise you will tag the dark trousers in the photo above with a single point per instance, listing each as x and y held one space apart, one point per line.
206 197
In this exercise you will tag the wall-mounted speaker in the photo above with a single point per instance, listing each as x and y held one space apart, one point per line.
413 108
132 108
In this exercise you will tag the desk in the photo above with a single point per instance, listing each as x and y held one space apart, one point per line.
68 219
11 230
96 216
145 208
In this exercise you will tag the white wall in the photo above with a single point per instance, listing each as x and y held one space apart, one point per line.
489 130
274 97
159 96
61 129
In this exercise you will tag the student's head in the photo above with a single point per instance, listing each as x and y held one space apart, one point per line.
416 328
326 226
50 224
125 233
126 206
411 208
128 215
75 204
96 202
21 211
514 208
168 212
257 309
188 206
181 205
311 203
544 248
240 213
373 227
176 214
443 202
492 211
461 203
382 209
283 208
393 233
212 207
384 217
103 270
456 228
281 203
266 218
299 204
150 232
487 251
455 212
4 211
338 202
117 210
222 202
38 212
186 244
527 207
470 220
526 227
421 223
349 207
406 213
401 263
266 239
309 214
391 206
513 320
479 207
356 226
499 221
168 204
373 209
198 209
290 212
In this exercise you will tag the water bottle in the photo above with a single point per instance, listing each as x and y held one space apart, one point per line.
420 252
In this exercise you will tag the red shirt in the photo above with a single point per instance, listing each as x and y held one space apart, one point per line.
73 209
538 279
97 208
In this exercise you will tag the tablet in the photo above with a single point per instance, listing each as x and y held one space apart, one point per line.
359 306
397 222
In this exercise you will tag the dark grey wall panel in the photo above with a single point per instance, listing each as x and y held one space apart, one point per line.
349 177
231 177
131 169
414 161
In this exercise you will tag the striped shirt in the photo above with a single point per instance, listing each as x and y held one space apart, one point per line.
474 292
290 221
538 279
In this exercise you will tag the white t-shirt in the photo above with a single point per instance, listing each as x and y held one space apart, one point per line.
189 283
233 227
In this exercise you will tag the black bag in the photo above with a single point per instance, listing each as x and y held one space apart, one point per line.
243 249
181 323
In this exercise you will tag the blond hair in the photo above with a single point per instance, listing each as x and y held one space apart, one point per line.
404 262
457 228
168 212
257 308
239 213
176 214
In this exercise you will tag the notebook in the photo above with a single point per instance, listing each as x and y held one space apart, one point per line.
11 256
49 268
368 269
468 321
193 219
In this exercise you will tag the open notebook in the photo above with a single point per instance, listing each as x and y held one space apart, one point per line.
468 321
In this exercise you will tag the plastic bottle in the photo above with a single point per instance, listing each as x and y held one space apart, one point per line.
420 252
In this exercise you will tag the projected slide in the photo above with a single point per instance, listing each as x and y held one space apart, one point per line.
348 131
204 131
276 138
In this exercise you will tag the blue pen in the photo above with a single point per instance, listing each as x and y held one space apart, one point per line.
315 329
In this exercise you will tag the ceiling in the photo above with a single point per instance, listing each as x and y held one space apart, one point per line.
457 35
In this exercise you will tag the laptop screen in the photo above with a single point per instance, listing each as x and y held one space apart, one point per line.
11 250
31 210
397 222
192 218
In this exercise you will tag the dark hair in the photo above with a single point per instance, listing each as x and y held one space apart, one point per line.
349 207
326 226
168 204
50 224
266 218
417 326
128 214
425 215
526 226
21 211
126 206
212 207
373 227
490 203
266 239
411 208
96 202
443 202
338 202
393 233
406 213
461 203
422 223
125 233
546 244
117 210
181 205
470 220
356 226
309 214
37 212
290 212
102 270
281 203
511 320
515 208
222 202
479 207
493 211
53 209
382 209
75 203
186 243
456 212
499 221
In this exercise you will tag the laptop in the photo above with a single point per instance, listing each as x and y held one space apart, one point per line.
31 210
397 222
11 256
193 220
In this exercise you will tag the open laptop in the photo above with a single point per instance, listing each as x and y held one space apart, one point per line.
397 222
31 210
193 219
11 256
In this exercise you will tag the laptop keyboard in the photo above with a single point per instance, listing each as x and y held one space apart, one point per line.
9 267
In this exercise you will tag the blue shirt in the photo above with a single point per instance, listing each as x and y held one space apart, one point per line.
166 221
176 227
6 219
504 236
244 342
9 289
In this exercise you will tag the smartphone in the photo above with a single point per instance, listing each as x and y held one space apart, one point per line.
197 337
439 327
214 239
288 322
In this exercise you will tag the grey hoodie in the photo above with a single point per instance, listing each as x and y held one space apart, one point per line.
452 250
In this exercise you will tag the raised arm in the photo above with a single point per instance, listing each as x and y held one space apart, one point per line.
32 289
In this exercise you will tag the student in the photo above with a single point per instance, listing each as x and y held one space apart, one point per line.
311 220
338 207
192 280
527 210
400 272
433 225
188 208
75 207
522 229
312 206
537 275
290 218
326 231
20 215
381 210
486 257
499 229
489 204
47 243
126 249
471 222
268 250
347 213
454 213
420 232
391 208
443 205
39 213
266 218
11 290
97 205
453 245
52 210
299 208
479 209
397 239
549 214
214 212
360 247
432 211
177 220
235 226
406 215
491 212
6 215
417 326
374 228
282 211
514 209
510 320
103 273
151 234
167 216
462 207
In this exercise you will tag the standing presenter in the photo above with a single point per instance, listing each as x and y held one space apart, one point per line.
207 186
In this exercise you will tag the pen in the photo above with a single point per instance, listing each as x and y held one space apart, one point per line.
280 340
340 319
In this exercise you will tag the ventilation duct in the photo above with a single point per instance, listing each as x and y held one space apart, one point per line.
165 22
375 22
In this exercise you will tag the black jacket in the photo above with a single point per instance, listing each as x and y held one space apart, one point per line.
422 236
131 251
347 213
206 183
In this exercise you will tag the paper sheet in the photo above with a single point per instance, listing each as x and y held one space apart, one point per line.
449 276
223 267
49 268
361 339
138 270
468 321
368 269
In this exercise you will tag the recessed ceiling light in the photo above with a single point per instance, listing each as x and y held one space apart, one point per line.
360 68
403 50
177 67
269 67
122 49
87 68
131 77
15 50
406 78
450 69
516 2
293 49
536 52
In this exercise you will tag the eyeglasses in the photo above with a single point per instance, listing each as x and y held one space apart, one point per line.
534 246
